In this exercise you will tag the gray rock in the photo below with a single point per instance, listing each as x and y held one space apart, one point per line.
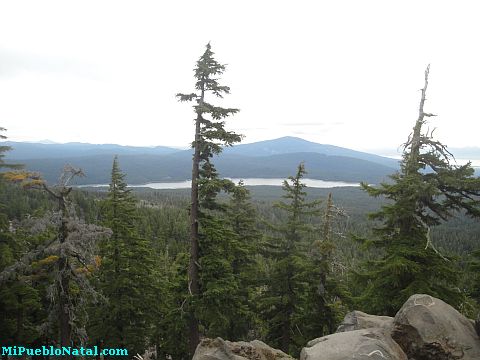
428 328
219 349
371 344
357 320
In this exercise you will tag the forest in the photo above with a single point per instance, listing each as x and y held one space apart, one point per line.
160 269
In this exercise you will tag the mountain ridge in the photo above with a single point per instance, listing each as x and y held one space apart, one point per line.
267 159
145 168
276 158
291 144
29 150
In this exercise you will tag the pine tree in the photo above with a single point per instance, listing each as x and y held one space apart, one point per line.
171 328
327 295
19 298
126 276
3 150
288 280
210 136
228 241
245 246
427 190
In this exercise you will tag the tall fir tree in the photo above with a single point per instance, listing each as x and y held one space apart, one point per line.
3 150
210 136
126 276
427 190
171 327
241 216
19 299
288 280
327 296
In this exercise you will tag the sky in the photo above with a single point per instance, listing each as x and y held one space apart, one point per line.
346 73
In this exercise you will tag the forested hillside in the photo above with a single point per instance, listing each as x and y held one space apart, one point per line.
162 218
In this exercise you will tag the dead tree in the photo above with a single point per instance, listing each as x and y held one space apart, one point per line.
74 247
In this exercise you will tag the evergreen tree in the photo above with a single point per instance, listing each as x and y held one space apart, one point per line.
287 284
20 302
228 239
19 298
3 150
210 136
241 217
126 276
171 328
327 294
428 189
474 268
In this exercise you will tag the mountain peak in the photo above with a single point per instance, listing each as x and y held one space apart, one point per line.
292 144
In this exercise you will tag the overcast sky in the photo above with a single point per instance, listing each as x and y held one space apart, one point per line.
346 73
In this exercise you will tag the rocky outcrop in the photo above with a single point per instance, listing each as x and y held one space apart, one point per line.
425 328
366 344
428 328
219 349
357 320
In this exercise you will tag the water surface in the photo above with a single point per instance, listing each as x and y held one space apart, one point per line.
250 182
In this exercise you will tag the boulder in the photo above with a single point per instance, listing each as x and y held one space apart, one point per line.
357 320
428 328
219 349
371 344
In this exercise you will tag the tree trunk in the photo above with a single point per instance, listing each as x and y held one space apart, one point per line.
20 316
193 278
64 324
286 330
415 140
64 318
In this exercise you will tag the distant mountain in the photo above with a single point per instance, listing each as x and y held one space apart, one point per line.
45 141
269 159
289 144
141 169
27 150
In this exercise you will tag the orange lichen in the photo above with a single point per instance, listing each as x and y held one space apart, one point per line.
27 179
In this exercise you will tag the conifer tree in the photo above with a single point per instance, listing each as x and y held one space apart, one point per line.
287 284
241 217
171 328
327 295
427 190
210 136
18 298
3 150
126 276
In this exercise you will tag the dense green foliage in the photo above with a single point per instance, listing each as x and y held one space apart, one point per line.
126 276
162 218
298 300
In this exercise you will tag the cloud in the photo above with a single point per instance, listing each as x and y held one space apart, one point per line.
252 128
13 63
296 124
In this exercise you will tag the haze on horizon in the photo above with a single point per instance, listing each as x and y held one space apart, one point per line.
345 73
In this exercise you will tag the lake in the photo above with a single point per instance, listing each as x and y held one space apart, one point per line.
250 182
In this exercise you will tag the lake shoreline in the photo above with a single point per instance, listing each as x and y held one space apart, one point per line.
185 184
